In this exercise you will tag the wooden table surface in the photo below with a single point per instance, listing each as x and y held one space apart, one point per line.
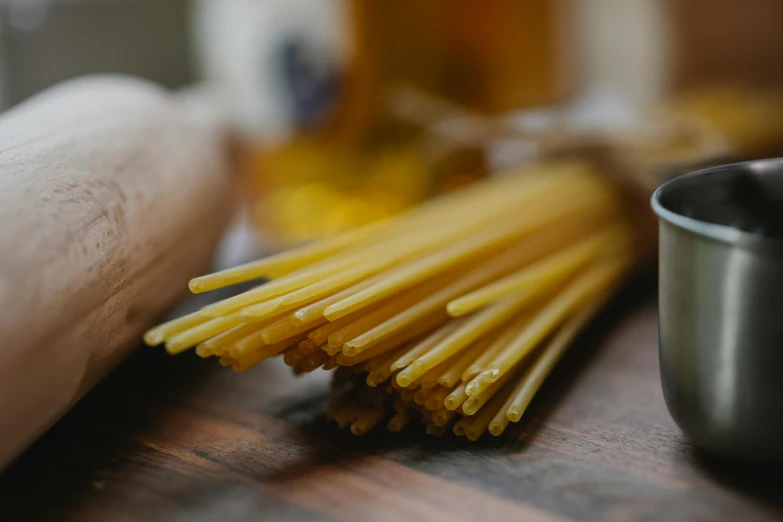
178 438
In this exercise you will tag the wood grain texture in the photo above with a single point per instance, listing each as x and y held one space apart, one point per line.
178 438
112 194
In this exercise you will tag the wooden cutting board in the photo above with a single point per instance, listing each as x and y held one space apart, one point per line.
179 438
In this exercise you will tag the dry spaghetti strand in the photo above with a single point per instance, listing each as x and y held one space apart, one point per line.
587 287
534 377
450 315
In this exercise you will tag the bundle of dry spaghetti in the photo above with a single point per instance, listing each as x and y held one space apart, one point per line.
452 313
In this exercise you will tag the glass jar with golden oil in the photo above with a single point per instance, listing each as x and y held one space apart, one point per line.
353 107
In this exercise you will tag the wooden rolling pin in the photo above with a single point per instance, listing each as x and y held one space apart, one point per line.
113 193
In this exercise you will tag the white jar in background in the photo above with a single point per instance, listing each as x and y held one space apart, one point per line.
625 46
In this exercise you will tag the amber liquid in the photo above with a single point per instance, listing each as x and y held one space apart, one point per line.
368 160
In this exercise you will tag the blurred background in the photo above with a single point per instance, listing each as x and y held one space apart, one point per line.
350 110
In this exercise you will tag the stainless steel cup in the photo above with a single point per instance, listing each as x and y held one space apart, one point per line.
721 307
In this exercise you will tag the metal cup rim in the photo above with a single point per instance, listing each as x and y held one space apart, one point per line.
714 231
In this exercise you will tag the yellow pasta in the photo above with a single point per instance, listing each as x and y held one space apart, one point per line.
216 345
293 356
450 315
366 420
375 317
247 344
247 361
435 400
542 274
591 284
527 251
497 341
531 220
191 337
480 422
421 395
461 426
475 327
315 310
399 420
456 398
474 403
316 360
280 264
534 377
307 346
347 414
283 329
443 416
424 346
430 379
320 335
163 331
434 429
330 364
453 373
